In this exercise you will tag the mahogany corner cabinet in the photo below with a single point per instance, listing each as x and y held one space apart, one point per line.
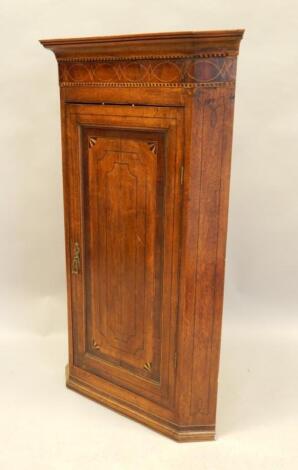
146 138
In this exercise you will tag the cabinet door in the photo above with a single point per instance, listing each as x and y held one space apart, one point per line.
123 197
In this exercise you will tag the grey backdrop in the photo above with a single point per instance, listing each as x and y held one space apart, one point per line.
257 418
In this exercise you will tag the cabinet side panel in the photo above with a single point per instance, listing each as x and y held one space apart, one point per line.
205 208
67 218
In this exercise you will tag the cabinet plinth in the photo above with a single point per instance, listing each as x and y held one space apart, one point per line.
146 138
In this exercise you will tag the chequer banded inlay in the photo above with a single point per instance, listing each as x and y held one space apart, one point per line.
185 72
146 57
140 85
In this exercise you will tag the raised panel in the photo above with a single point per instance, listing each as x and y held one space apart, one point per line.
123 201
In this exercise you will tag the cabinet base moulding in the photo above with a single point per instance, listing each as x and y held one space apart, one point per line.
198 433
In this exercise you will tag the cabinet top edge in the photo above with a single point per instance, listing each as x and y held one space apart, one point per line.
182 42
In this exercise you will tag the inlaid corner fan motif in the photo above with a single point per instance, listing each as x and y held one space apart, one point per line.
152 145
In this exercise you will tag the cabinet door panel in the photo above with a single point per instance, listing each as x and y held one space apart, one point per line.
124 246
126 217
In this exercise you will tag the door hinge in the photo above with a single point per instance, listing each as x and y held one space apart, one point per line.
175 360
76 261
181 174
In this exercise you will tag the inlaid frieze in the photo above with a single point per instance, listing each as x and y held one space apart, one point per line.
177 71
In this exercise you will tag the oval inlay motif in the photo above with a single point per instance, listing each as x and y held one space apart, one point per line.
204 70
105 72
166 72
213 71
134 72
80 73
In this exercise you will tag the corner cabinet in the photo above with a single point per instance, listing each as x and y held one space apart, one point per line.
146 137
